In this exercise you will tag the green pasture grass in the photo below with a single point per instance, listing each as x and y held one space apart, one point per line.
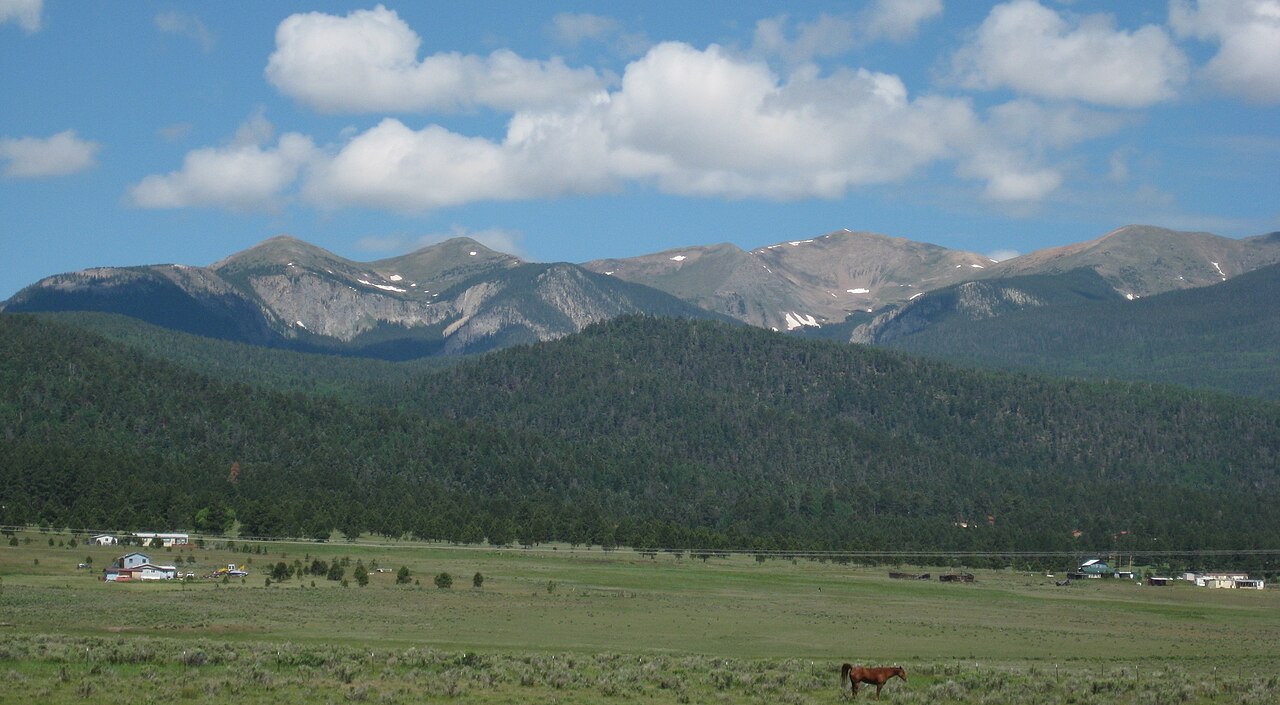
724 630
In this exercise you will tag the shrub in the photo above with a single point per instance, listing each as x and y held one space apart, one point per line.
402 575
444 581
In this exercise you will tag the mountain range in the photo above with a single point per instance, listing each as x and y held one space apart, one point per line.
460 297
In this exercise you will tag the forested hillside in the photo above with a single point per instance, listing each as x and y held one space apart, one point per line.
642 432
1224 337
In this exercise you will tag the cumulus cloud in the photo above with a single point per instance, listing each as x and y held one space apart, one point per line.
682 120
368 61
394 166
35 158
702 122
246 174
1033 50
24 12
1248 34
190 26
898 19
687 121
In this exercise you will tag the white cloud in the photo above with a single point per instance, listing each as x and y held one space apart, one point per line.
244 175
1002 255
59 155
393 166
689 122
682 120
368 61
190 26
1033 50
1248 33
25 12
705 123
898 19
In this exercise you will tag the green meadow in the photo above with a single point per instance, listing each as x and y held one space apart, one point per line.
564 625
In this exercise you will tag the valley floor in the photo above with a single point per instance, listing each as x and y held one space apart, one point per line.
586 626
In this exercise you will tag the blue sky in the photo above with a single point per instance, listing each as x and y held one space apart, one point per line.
157 132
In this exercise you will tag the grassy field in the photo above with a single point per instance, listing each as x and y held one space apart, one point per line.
586 626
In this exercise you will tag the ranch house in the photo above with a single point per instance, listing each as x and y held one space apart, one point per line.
145 571
132 560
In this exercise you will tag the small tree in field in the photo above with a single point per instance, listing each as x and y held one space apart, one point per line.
361 575
402 575
477 580
444 581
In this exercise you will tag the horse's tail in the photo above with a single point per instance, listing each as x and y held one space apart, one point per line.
844 672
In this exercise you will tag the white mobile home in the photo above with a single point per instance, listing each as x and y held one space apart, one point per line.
148 538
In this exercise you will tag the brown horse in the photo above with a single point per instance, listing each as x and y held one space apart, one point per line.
876 676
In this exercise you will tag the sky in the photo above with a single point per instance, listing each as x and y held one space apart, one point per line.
175 132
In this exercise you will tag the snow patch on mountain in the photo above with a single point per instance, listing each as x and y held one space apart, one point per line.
797 320
384 287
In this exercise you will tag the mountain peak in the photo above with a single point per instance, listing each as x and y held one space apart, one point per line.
446 263
279 250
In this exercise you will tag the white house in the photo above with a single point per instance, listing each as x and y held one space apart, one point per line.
104 540
148 571
140 571
148 538
133 560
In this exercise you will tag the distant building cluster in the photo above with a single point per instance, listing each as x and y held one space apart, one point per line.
1096 568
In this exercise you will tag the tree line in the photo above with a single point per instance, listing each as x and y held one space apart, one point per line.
640 432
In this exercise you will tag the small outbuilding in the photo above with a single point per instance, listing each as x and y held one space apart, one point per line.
105 540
